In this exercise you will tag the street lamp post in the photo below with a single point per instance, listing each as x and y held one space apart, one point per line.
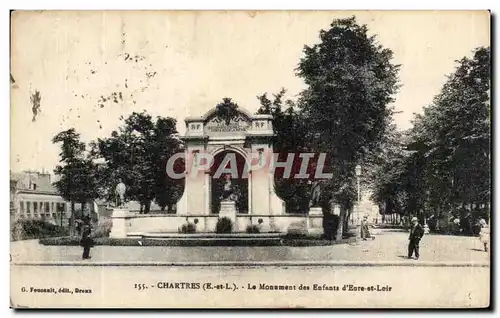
358 175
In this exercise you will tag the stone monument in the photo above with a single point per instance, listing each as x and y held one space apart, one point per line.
120 212
120 194
228 201
315 216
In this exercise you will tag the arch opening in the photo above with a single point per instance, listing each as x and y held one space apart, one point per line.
228 166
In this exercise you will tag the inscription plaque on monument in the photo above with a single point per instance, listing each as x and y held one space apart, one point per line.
217 125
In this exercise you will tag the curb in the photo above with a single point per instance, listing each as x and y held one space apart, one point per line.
256 264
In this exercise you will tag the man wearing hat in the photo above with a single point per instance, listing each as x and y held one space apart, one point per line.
416 233
87 241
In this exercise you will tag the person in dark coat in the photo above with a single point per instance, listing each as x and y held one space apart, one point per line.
365 229
416 233
86 242
87 220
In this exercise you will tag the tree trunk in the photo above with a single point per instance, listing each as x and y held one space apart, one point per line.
147 207
346 222
340 226
72 220
140 208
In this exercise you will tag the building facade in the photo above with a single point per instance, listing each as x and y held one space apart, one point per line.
32 196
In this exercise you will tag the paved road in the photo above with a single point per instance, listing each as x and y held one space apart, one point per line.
116 286
389 246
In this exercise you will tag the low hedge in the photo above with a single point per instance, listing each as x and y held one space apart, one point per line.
33 229
104 241
252 229
224 225
103 229
187 228
75 241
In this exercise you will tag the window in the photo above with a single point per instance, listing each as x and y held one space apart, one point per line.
22 206
28 207
63 207
47 207
52 206
35 207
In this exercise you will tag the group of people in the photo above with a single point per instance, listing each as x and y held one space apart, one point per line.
417 232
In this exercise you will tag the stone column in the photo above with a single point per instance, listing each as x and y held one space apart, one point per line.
249 193
207 193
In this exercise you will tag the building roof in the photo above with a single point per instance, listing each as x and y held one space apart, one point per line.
16 176
22 182
44 192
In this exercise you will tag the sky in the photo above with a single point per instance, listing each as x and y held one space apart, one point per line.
92 67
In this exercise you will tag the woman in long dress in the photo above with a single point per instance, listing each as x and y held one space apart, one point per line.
365 229
484 234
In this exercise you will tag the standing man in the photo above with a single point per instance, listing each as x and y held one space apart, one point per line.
416 233
86 242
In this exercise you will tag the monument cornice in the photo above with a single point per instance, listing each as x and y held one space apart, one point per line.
194 137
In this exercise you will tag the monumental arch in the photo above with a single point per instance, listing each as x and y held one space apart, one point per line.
225 129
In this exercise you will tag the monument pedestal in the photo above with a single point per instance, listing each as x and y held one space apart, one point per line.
315 221
228 210
119 228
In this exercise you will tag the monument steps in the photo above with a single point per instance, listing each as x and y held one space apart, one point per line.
253 239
